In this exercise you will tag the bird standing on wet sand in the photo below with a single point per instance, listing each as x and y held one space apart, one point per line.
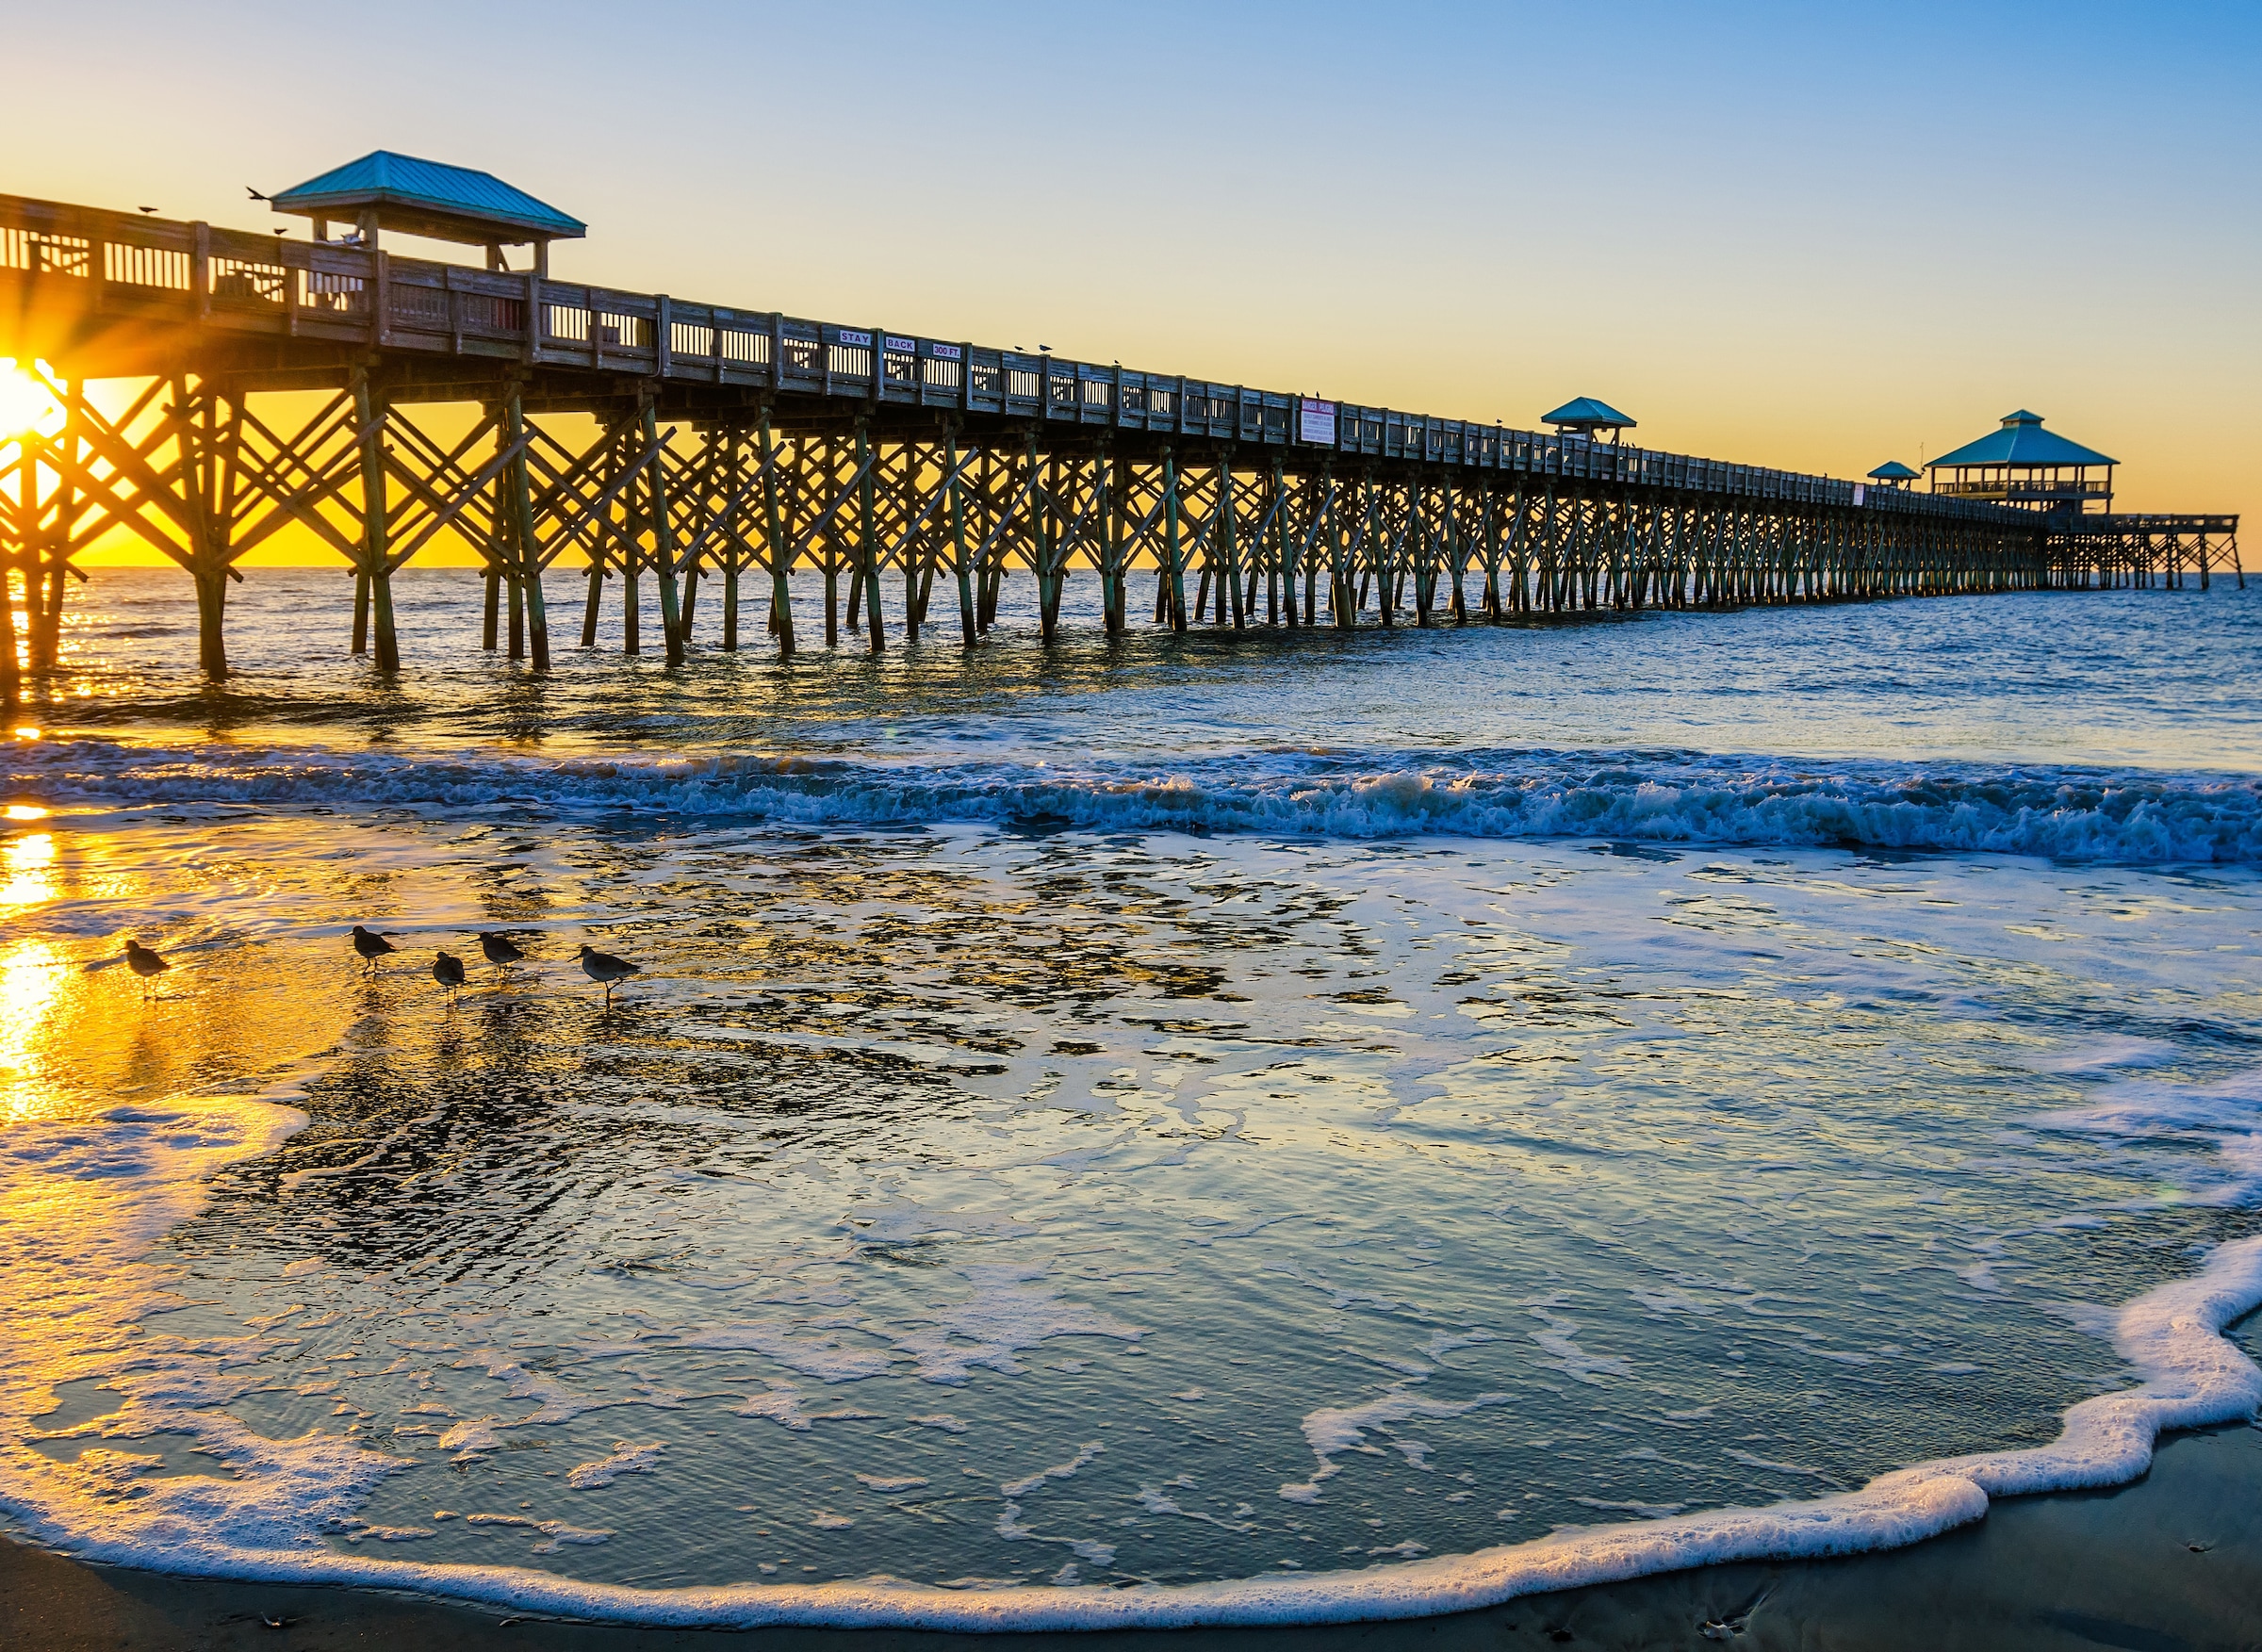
604 968
371 946
499 951
144 963
447 970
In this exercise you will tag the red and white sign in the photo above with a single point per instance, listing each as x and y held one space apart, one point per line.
1316 422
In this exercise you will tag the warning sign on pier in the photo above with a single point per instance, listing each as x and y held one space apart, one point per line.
1316 423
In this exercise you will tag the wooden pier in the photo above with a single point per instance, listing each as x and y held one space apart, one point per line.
255 385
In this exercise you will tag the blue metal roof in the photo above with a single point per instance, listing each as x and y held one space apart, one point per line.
1588 410
2021 441
1893 470
383 178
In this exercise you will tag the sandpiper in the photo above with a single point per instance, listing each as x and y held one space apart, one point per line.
499 951
603 966
371 946
144 963
447 970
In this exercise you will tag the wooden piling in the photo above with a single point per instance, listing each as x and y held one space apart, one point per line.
526 549
781 600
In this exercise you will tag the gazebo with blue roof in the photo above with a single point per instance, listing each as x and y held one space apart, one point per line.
385 190
2025 466
1892 473
1589 418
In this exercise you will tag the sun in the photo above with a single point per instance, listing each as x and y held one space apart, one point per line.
27 407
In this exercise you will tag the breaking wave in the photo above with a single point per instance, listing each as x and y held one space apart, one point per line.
2132 817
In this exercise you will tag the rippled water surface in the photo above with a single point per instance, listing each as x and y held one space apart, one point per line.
1147 1113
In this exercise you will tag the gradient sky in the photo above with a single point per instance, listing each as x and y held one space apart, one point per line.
1815 238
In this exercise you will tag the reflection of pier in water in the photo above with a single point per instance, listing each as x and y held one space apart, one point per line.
267 388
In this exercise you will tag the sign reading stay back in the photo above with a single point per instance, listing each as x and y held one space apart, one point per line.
1316 422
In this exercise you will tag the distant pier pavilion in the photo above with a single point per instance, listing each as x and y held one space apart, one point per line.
254 385
2022 466
2025 466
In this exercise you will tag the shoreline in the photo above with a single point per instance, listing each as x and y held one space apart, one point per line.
2169 1561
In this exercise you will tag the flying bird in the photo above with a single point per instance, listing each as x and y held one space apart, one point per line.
371 946
499 951
145 963
254 194
145 209
447 970
604 968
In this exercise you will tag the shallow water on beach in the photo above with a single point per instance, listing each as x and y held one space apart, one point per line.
1158 1113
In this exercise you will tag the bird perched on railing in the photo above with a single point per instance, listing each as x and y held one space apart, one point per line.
499 951
371 946
604 968
144 963
447 970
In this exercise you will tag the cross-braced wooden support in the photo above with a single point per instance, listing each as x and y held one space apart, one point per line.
630 497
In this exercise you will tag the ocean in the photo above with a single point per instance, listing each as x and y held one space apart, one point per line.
1287 1127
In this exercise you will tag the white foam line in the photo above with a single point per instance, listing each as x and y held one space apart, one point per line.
2192 1379
2065 812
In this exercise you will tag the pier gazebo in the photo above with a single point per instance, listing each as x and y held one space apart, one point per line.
2024 466
383 190
1590 419
1892 473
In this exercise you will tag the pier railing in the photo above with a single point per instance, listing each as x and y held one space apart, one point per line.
129 268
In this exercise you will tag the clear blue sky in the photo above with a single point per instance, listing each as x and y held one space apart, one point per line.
1806 235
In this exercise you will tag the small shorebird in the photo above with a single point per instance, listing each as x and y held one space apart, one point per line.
447 970
604 968
371 946
499 951
144 963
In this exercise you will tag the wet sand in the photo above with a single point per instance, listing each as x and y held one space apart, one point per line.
2173 1562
